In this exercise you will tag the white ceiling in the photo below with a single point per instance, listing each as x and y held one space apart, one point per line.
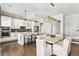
41 9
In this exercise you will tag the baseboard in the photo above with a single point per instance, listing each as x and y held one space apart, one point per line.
8 41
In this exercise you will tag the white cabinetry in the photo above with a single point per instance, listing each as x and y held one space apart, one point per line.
14 36
15 23
12 23
21 39
23 23
34 25
28 25
6 21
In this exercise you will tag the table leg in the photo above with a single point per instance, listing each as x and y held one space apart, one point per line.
52 49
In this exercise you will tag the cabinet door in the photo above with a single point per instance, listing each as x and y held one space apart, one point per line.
21 39
29 25
12 23
16 24
5 21
23 23
14 36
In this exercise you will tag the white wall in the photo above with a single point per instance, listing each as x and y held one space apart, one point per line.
71 25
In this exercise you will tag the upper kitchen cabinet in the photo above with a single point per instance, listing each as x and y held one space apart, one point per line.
35 27
22 23
28 24
12 23
15 23
5 21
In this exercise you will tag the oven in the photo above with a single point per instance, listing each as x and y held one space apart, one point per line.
5 32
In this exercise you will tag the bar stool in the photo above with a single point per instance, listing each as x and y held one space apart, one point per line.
27 38
34 38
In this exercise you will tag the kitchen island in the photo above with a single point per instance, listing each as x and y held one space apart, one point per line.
13 36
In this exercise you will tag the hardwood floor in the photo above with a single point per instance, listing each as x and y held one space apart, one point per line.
74 50
13 49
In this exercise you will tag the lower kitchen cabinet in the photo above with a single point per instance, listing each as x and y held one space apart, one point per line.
14 36
21 39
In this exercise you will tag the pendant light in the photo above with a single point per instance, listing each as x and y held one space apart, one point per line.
25 15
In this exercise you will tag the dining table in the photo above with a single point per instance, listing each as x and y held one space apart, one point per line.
52 40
